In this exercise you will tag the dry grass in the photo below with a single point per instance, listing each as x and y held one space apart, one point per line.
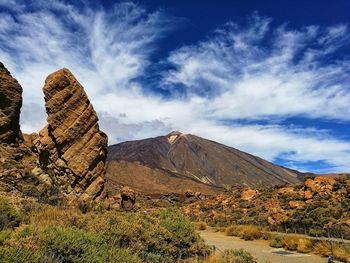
201 225
246 232
341 251
232 230
250 232
291 242
301 244
53 215
304 245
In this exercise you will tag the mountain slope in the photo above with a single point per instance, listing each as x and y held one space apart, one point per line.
199 161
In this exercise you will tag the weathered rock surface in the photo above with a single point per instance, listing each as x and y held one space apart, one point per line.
72 149
128 198
10 106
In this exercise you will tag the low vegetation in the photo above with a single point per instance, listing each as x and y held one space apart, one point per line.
201 225
298 243
9 215
319 207
246 232
54 234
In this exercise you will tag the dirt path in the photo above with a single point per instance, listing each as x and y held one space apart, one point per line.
260 249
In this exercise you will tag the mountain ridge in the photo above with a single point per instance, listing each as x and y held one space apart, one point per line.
200 160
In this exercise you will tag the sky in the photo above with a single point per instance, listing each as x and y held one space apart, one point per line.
271 78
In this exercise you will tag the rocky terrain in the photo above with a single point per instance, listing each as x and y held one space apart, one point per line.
320 203
176 162
66 160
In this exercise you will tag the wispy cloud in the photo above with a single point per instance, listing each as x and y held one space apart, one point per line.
256 71
253 71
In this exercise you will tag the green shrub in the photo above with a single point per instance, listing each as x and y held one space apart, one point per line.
21 255
9 216
237 256
4 235
276 241
316 232
80 246
184 239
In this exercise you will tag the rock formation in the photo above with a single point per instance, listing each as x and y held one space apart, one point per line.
72 149
10 106
128 198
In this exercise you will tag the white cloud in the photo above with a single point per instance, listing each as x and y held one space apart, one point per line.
249 72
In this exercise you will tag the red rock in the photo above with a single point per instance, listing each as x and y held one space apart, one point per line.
72 149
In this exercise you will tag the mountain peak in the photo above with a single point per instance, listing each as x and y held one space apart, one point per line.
173 136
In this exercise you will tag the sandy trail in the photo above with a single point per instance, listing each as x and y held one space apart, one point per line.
260 249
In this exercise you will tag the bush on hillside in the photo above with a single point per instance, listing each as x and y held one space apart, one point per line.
276 241
9 215
75 245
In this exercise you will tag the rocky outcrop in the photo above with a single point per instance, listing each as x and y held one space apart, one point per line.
128 198
72 149
10 106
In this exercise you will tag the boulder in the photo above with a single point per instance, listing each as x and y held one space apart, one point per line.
71 148
296 204
128 198
249 194
10 107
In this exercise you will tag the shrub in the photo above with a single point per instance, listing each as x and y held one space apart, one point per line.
291 242
4 235
323 248
105 237
21 255
232 230
9 215
237 256
53 215
80 246
341 251
184 239
250 232
276 241
201 225
316 232
304 245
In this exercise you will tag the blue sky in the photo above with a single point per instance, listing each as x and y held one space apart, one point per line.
268 77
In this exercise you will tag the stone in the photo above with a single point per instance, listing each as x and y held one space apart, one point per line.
71 148
308 195
248 194
296 204
10 107
128 198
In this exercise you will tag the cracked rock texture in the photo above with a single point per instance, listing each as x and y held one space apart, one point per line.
10 107
72 149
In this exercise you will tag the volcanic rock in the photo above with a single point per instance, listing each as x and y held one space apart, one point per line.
71 148
164 162
10 106
249 194
128 198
